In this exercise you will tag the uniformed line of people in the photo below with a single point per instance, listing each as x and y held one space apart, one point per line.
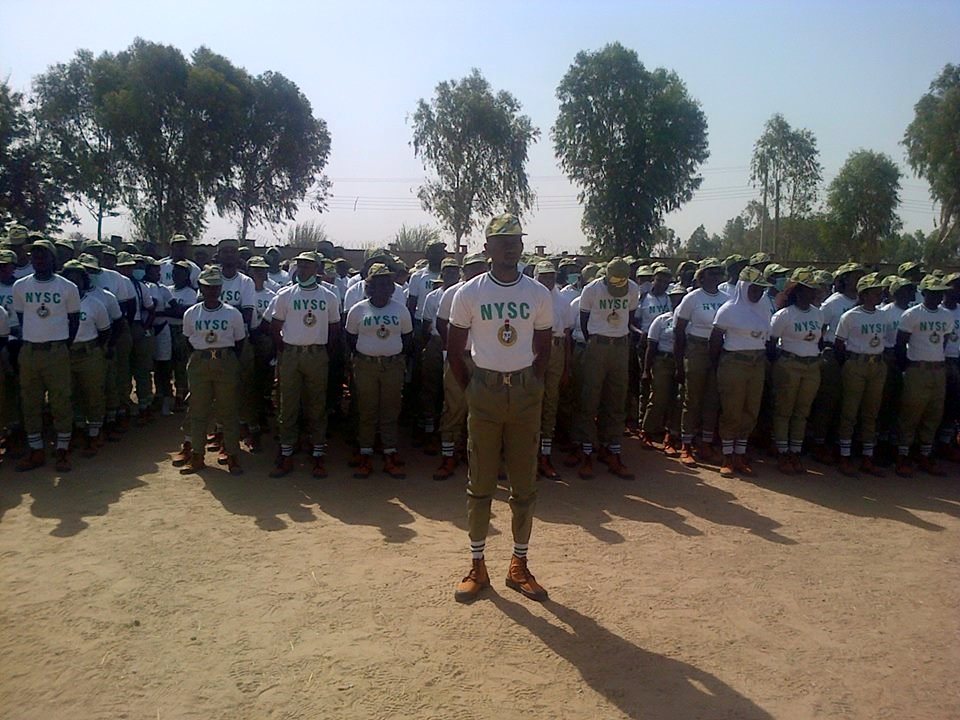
688 362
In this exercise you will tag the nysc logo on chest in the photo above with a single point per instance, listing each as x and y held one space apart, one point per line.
42 297
810 327
371 320
505 311
201 325
711 306
230 296
613 304
309 304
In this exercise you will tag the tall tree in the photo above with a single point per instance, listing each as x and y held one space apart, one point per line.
70 110
170 120
701 244
632 140
664 242
31 188
933 148
862 202
786 165
475 142
278 149
414 237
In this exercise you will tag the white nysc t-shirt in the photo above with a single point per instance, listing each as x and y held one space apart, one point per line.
928 332
94 319
306 314
609 315
213 329
379 331
45 305
699 308
862 330
799 330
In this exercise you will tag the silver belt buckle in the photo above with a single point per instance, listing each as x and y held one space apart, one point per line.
506 379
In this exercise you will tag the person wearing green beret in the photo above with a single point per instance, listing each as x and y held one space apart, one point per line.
738 343
826 406
947 435
859 343
179 251
662 414
140 372
10 414
18 240
732 265
922 336
901 293
796 333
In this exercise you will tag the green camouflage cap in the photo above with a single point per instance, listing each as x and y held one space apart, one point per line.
211 275
74 265
661 269
630 260
805 277
379 269
41 243
273 250
256 261
178 238
644 271
710 263
759 258
909 266
753 276
871 281
229 242
951 278
63 242
435 243
773 269
449 262
378 253
568 262
150 260
474 258
89 262
183 264
938 272
898 283
544 267
933 284
847 268
125 259
7 257
676 289
823 277
505 224
686 265
308 256
732 260
617 277
108 250
17 234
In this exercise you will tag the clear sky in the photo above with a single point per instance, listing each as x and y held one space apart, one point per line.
849 70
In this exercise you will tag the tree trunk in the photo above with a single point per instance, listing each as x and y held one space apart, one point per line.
776 217
244 224
763 218
100 220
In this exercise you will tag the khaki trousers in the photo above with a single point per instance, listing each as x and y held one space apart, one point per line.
180 348
701 403
431 377
663 409
864 377
826 406
122 351
551 389
378 382
740 378
141 366
213 381
795 385
303 382
503 421
951 405
921 405
44 372
263 373
454 417
604 390
88 371
247 387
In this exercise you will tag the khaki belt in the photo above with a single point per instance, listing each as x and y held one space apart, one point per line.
605 340
927 364
380 359
214 354
83 348
558 341
508 379
806 359
747 355
304 348
44 346
865 358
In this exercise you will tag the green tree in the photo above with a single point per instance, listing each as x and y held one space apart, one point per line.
172 123
414 237
307 235
70 111
664 242
786 165
31 188
897 248
278 149
862 203
632 140
701 244
933 148
475 142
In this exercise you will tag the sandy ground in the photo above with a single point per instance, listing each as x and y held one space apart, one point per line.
129 591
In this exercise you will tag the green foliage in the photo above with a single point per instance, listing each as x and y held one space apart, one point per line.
415 238
633 141
933 148
69 109
700 244
476 144
862 203
307 235
663 242
31 187
786 166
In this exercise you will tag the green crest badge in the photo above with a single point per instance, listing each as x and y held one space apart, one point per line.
43 312
935 338
382 332
875 341
310 319
211 337
613 318
507 335
756 333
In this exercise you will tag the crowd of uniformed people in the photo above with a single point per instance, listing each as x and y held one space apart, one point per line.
699 362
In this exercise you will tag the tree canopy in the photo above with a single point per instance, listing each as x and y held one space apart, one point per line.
632 140
475 142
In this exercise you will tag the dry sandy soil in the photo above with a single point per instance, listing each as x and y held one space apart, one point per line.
129 591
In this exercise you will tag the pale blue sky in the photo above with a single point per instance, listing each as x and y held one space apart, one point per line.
849 71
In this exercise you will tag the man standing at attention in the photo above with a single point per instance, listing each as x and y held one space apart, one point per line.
510 321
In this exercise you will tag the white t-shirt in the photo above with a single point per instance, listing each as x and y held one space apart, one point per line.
161 299
745 325
661 332
652 306
144 299
263 299
379 331
358 291
561 314
577 332
568 293
120 285
306 314
699 308
341 284
4 323
799 330
6 302
833 307
728 288
862 330
952 349
186 297
502 319
45 305
609 316
431 306
109 301
239 291
93 319
212 329
928 330
280 277
446 304
421 283
22 271
892 314
166 272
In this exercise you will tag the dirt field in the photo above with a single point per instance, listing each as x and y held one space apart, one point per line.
129 591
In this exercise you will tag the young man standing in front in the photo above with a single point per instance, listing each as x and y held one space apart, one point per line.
510 320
